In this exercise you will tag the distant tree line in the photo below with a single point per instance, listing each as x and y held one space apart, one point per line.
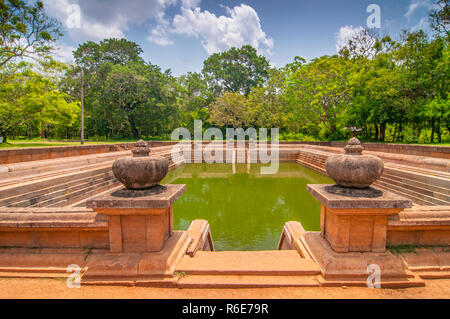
381 89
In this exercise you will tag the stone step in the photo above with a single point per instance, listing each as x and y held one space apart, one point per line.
49 192
29 169
419 184
55 167
435 197
134 282
82 202
61 190
312 166
18 180
424 187
66 199
321 158
417 176
56 195
314 162
386 283
48 217
402 170
36 272
417 193
434 274
308 154
32 273
416 199
424 171
91 193
33 270
238 281
49 181
288 263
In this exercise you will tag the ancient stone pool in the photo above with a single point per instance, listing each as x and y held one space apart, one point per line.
246 210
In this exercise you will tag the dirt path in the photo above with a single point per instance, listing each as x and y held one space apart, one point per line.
52 289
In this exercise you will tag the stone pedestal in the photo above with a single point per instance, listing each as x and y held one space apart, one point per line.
138 221
356 224
354 268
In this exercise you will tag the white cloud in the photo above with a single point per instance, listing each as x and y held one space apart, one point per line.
100 19
190 3
64 53
217 34
346 34
424 24
417 4
159 35
107 18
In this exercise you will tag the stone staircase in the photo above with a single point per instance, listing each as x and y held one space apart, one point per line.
60 190
66 187
31 273
314 160
424 187
247 270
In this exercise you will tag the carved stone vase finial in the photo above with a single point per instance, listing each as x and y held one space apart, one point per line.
141 149
140 171
353 169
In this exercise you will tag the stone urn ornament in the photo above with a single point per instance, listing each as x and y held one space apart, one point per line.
353 169
141 171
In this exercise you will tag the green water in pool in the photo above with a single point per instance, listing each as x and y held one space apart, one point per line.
246 210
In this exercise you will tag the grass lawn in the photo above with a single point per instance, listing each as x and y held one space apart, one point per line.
44 143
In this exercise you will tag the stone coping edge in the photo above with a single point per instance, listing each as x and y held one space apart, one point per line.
387 201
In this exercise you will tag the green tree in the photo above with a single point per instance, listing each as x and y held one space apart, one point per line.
159 115
91 55
194 99
25 31
97 60
267 103
143 95
231 109
376 97
125 87
440 18
319 91
235 70
423 65
28 98
437 109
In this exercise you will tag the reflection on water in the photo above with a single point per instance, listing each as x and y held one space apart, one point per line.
246 210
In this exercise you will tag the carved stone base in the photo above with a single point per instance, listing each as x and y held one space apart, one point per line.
351 269
134 268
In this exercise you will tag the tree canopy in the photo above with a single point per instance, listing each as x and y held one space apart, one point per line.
237 70
25 31
378 88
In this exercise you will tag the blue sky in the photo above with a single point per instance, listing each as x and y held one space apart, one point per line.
181 34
